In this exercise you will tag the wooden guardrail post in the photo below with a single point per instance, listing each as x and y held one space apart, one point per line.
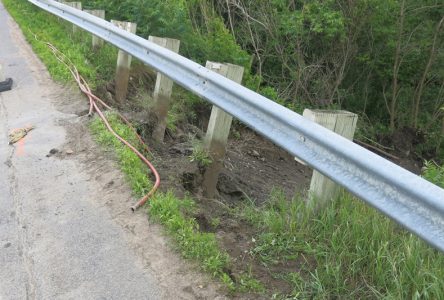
322 189
96 41
162 90
123 63
218 130
77 5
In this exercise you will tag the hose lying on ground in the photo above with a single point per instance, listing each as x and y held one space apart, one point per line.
93 106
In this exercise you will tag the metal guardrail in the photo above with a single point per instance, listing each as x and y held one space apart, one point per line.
411 201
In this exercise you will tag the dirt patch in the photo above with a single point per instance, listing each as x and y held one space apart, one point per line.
253 167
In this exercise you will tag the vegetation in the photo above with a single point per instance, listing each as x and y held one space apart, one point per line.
340 254
135 170
434 173
200 154
39 28
379 58
176 214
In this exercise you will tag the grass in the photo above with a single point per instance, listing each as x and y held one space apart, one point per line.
200 154
175 214
40 27
348 251
136 172
434 173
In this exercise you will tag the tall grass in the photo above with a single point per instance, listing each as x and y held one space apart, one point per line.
349 250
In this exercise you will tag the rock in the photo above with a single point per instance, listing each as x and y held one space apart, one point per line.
69 151
254 153
52 152
184 149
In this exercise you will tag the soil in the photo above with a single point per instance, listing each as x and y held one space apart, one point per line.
252 169
401 145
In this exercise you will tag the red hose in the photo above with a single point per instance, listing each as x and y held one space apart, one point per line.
84 87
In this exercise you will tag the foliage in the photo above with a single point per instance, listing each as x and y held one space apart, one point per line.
39 28
341 254
200 154
434 173
201 40
346 52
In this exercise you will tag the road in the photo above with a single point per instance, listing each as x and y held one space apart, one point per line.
66 231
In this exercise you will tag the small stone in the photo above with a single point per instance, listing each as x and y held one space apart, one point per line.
7 245
69 151
53 151
254 153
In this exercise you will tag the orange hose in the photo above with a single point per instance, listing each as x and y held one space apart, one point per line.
84 87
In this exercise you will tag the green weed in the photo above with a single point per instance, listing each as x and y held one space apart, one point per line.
434 173
348 251
247 283
135 170
200 154
172 212
175 214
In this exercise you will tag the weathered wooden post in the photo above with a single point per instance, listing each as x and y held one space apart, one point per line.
218 130
162 90
343 123
100 13
123 63
77 5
